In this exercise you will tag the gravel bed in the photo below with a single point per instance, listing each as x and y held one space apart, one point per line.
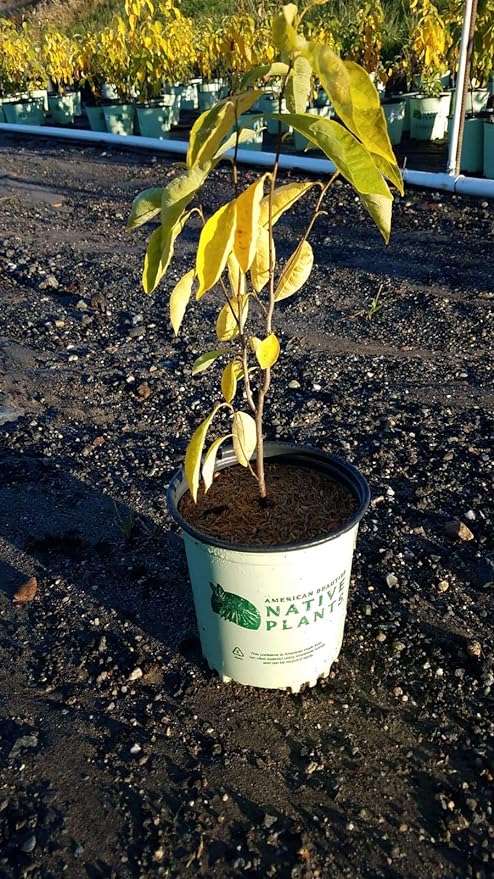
121 754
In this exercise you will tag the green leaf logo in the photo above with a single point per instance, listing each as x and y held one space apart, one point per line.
234 608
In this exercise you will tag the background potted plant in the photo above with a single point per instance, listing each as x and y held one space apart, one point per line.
430 40
270 593
21 74
60 55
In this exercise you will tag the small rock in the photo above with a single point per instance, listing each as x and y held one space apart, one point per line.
391 580
470 516
49 283
294 384
143 391
9 413
474 649
269 820
159 854
135 749
458 529
29 844
443 586
398 646
135 674
380 637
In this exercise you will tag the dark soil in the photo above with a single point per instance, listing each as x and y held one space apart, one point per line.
121 754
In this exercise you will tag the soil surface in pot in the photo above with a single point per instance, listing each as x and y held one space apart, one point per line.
302 504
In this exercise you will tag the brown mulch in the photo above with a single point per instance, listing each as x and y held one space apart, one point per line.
302 504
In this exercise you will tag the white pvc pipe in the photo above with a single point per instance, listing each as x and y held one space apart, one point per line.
426 179
459 114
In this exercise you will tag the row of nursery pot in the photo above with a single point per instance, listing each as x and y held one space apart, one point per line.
426 117
32 108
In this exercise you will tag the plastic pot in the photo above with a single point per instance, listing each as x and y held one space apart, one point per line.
35 94
475 103
120 118
153 121
24 112
62 108
472 148
429 117
489 149
273 617
209 94
96 118
394 112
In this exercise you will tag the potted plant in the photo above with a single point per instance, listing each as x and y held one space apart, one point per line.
269 529
430 40
60 54
22 77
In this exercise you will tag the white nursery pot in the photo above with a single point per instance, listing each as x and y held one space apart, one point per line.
273 617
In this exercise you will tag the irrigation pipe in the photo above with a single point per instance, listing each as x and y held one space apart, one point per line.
483 188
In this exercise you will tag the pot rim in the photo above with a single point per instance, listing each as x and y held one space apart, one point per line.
306 456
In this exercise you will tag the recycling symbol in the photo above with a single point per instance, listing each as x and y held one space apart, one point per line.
238 653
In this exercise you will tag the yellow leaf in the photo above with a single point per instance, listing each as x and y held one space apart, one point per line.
236 276
296 271
248 215
244 437
231 374
282 200
205 360
215 245
210 461
259 270
231 317
192 463
179 299
298 85
266 350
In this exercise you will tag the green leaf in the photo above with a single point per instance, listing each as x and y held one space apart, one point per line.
278 68
210 461
178 193
298 85
205 360
215 124
159 253
356 102
215 245
266 350
285 37
192 463
296 272
353 161
244 437
244 135
179 299
144 207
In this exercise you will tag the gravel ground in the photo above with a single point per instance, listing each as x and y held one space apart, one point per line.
121 754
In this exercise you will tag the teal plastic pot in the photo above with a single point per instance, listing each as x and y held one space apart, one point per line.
96 118
209 94
300 141
62 108
120 118
190 96
24 112
489 150
270 103
429 117
154 121
273 616
171 102
472 149
36 94
394 112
